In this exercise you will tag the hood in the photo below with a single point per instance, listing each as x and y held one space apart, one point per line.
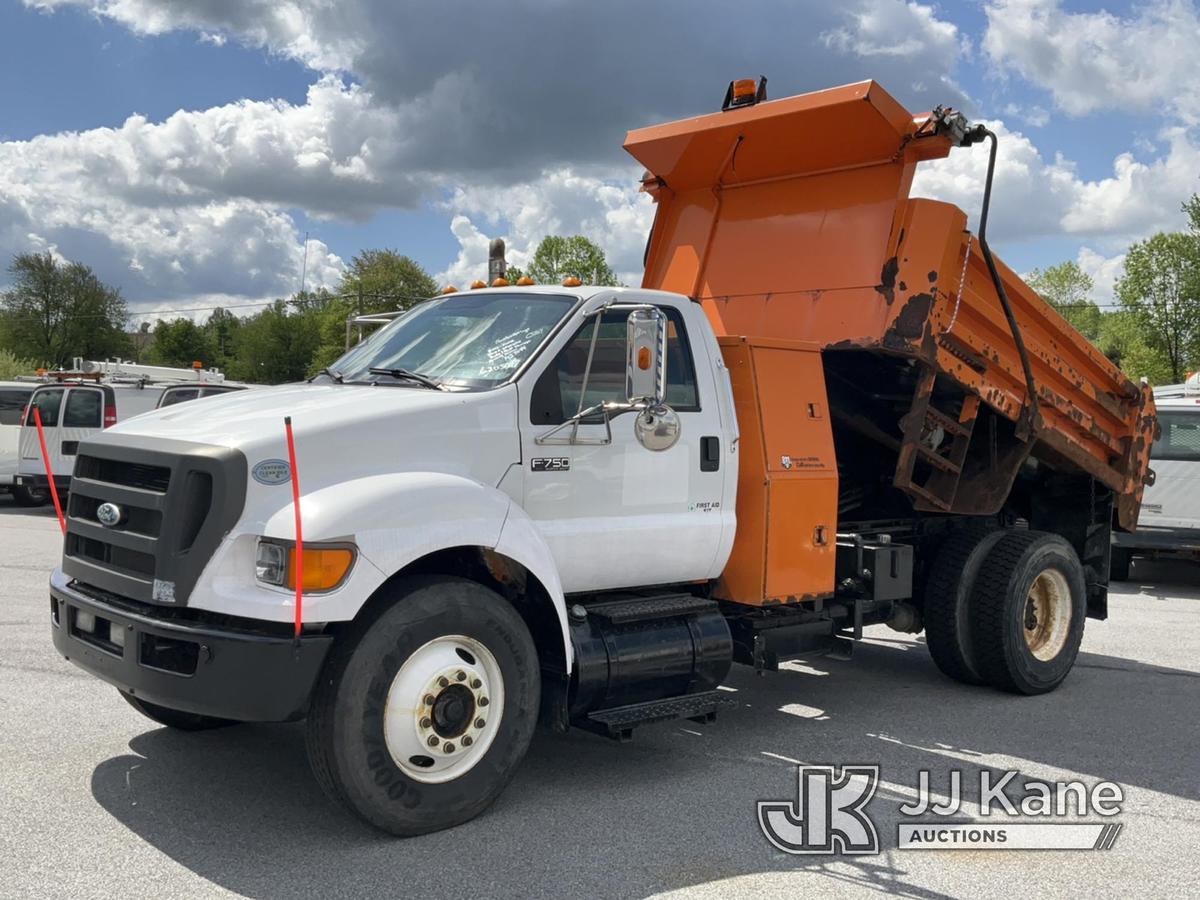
343 431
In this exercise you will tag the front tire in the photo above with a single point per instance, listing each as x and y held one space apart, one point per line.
30 496
176 718
1028 610
422 715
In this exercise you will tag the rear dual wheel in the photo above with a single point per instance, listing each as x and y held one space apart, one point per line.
1006 608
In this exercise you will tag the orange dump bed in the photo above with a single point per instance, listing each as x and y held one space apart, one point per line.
791 219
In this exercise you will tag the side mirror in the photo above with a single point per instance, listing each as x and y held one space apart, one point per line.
657 425
646 365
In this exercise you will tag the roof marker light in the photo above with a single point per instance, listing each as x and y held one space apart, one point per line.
477 284
500 281
571 281
525 281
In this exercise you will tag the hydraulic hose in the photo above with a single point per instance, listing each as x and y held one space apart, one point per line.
1028 424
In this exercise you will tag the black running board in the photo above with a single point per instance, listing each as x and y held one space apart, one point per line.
618 723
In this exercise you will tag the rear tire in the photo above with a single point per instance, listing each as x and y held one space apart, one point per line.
176 718
1119 564
948 593
1027 612
30 496
379 746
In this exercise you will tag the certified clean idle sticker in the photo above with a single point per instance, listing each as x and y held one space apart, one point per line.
272 471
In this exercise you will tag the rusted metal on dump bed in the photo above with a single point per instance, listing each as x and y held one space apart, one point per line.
791 219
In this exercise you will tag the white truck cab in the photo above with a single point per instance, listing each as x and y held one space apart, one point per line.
1170 520
491 429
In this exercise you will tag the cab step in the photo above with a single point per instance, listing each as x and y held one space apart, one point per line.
618 723
644 609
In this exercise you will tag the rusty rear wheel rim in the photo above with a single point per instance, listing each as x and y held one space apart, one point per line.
1047 616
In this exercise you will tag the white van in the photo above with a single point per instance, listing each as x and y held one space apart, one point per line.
181 393
14 397
1169 524
72 411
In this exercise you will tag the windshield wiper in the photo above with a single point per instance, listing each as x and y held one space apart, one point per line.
423 380
332 373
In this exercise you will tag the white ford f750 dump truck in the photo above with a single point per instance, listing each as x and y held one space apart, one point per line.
583 504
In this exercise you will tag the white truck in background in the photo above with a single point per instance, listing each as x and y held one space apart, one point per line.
78 403
1170 520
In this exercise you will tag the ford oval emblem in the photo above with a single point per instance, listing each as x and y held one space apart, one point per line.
272 471
109 514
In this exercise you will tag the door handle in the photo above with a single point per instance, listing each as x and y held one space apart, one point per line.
710 453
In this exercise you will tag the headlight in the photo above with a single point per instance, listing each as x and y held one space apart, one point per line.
325 565
270 567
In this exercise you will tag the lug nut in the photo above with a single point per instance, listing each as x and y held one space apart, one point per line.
461 676
449 748
429 699
476 683
483 701
479 723
443 681
426 722
433 740
466 741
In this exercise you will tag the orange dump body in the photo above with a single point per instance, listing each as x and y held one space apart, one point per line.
791 219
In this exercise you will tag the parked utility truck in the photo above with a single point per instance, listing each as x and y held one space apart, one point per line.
827 407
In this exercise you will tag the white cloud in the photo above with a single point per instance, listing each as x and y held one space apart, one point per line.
875 29
1092 61
1033 197
603 206
1104 271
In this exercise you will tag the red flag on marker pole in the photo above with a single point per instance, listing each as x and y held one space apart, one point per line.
37 418
291 448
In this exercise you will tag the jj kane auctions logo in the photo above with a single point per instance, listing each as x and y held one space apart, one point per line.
829 814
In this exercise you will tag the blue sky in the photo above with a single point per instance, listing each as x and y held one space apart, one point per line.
185 150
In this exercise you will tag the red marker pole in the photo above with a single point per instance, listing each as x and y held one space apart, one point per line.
37 418
291 446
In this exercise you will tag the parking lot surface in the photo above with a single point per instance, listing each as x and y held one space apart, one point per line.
96 801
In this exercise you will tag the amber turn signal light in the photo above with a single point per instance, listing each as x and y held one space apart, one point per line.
324 567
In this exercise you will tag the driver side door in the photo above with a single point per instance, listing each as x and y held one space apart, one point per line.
614 513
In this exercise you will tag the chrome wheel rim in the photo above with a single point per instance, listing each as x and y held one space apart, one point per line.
443 709
1047 616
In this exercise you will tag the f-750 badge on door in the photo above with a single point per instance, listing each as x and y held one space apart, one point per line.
550 464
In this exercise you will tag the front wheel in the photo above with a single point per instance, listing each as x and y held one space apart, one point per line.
421 717
1028 609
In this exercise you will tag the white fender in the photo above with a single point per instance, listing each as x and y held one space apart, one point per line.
393 520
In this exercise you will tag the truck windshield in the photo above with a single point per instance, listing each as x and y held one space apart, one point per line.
464 341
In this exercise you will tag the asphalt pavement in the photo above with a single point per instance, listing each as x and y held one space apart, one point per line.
96 801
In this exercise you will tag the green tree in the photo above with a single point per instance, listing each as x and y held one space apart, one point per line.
559 257
1161 288
12 365
55 311
275 346
181 342
385 280
221 329
1068 289
1122 340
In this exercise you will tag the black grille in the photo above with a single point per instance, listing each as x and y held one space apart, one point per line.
148 478
176 504
121 558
